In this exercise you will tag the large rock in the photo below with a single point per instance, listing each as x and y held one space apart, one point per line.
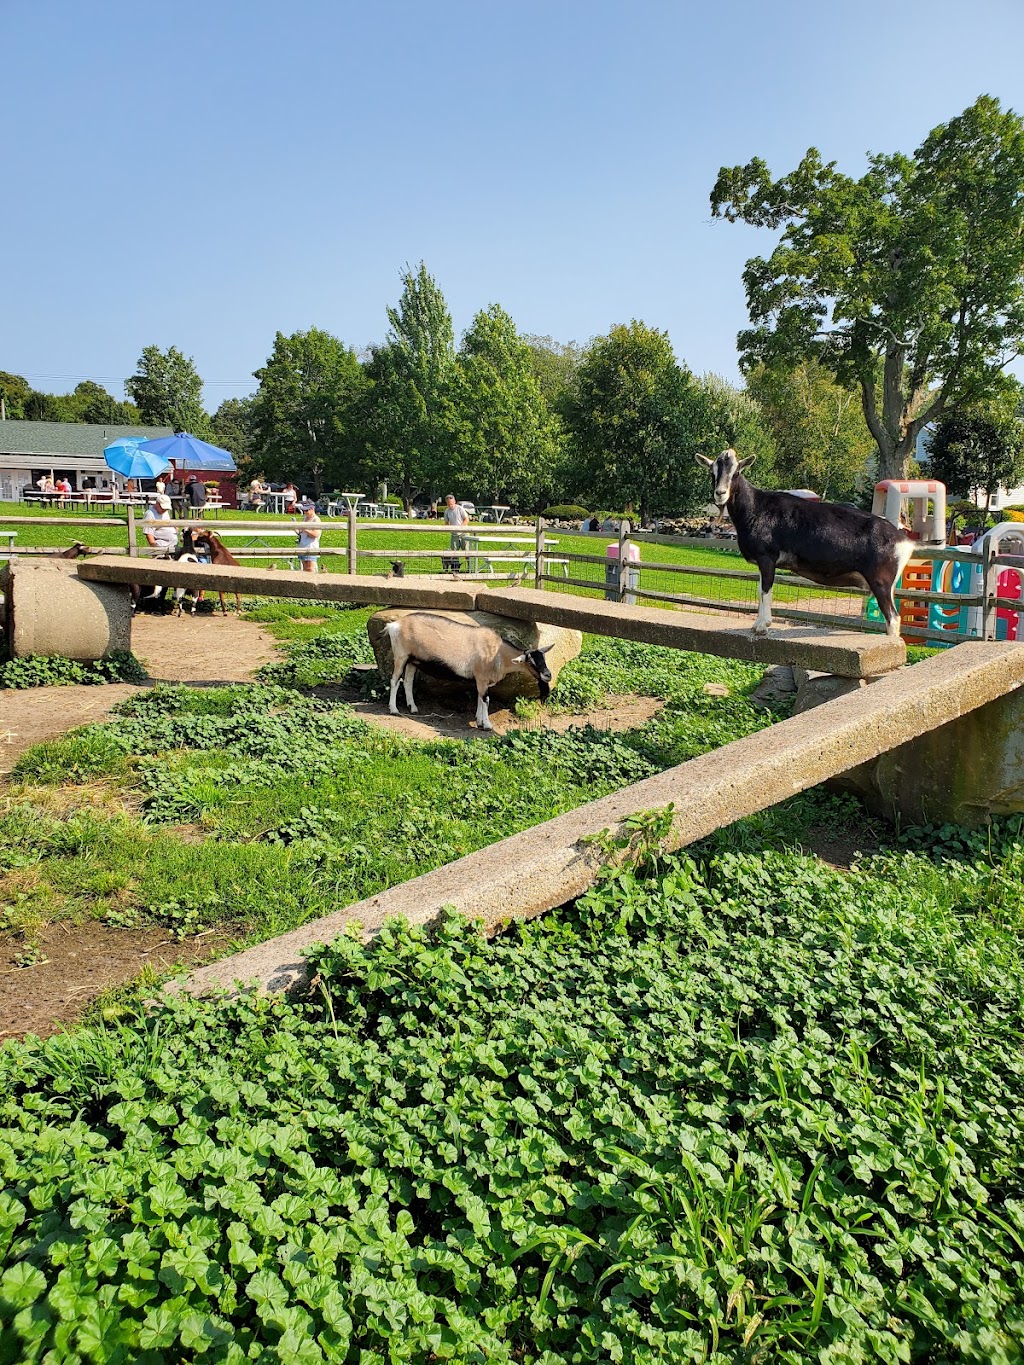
48 609
565 645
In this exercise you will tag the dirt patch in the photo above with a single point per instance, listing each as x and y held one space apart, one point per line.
79 962
841 851
439 720
195 649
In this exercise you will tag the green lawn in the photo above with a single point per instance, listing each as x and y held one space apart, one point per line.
397 539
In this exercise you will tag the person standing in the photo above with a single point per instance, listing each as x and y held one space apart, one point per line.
309 539
195 496
457 517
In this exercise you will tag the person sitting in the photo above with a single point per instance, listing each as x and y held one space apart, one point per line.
256 491
195 496
159 536
63 488
309 539
291 496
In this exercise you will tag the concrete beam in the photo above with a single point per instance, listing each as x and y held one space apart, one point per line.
334 587
846 653
534 871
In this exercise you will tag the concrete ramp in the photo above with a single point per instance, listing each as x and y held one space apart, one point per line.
534 871
325 587
849 654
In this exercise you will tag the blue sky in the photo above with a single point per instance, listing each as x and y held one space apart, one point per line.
204 174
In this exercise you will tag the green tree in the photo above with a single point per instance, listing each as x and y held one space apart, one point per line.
301 414
555 365
168 392
231 426
821 441
47 407
408 422
905 284
507 440
634 423
978 448
731 417
14 390
90 402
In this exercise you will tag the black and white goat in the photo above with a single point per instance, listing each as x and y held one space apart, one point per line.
438 645
829 543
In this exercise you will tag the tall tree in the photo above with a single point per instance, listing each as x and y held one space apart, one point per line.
301 413
14 390
408 419
507 439
231 426
555 365
635 421
90 402
821 441
733 418
167 390
906 283
980 447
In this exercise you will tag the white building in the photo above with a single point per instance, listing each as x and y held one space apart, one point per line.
29 450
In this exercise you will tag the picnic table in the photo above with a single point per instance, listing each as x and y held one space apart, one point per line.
260 540
6 551
498 508
526 545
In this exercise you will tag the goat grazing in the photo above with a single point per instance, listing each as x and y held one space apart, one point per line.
437 644
829 543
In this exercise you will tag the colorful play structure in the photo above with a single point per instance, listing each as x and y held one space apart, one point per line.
920 506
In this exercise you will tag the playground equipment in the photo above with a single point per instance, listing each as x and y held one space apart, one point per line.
1005 539
918 505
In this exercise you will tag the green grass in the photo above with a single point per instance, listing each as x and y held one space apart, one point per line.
294 806
731 1106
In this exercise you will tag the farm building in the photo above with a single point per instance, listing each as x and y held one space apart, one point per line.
28 450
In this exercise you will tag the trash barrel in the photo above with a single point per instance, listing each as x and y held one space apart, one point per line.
611 573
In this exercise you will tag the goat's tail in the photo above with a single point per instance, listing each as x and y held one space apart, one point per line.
904 554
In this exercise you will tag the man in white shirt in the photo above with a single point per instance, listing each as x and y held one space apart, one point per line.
160 537
454 515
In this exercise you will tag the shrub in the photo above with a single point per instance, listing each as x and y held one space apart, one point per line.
565 512
1012 514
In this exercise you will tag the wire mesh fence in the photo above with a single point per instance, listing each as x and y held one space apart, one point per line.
946 594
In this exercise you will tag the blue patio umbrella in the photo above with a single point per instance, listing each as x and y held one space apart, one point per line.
125 456
188 452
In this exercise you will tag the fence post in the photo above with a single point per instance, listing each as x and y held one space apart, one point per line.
989 579
538 559
353 567
133 549
624 529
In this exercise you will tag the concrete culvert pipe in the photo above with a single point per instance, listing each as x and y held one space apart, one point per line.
48 609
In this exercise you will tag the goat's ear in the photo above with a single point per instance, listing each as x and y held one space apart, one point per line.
519 659
745 464
703 459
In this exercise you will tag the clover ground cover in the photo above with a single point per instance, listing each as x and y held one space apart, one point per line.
730 1106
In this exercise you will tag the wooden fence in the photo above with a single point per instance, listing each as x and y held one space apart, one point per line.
651 579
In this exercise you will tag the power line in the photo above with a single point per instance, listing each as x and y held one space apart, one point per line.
120 379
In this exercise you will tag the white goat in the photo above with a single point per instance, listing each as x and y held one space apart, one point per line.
438 645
